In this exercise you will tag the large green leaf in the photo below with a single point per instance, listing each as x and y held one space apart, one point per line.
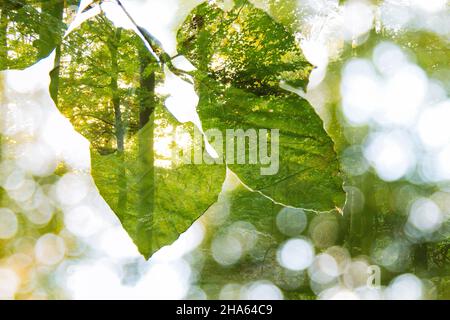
241 56
109 95
158 195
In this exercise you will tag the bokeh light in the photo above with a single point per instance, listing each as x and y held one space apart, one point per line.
262 290
50 249
405 287
291 221
296 254
324 230
226 249
9 283
8 223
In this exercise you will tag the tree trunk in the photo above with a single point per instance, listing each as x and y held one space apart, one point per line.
146 186
50 37
3 37
147 88
54 76
119 127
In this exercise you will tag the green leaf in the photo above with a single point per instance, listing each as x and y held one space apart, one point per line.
158 197
241 56
110 97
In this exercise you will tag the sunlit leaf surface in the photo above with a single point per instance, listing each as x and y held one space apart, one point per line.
158 197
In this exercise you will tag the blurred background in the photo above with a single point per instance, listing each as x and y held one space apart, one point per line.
380 85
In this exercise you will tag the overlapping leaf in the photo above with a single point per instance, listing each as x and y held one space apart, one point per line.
242 55
156 196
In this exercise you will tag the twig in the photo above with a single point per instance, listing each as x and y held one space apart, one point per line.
156 48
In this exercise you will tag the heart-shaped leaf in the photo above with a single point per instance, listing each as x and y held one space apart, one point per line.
156 194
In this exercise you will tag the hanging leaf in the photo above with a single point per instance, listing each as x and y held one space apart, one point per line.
241 56
155 193
158 195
